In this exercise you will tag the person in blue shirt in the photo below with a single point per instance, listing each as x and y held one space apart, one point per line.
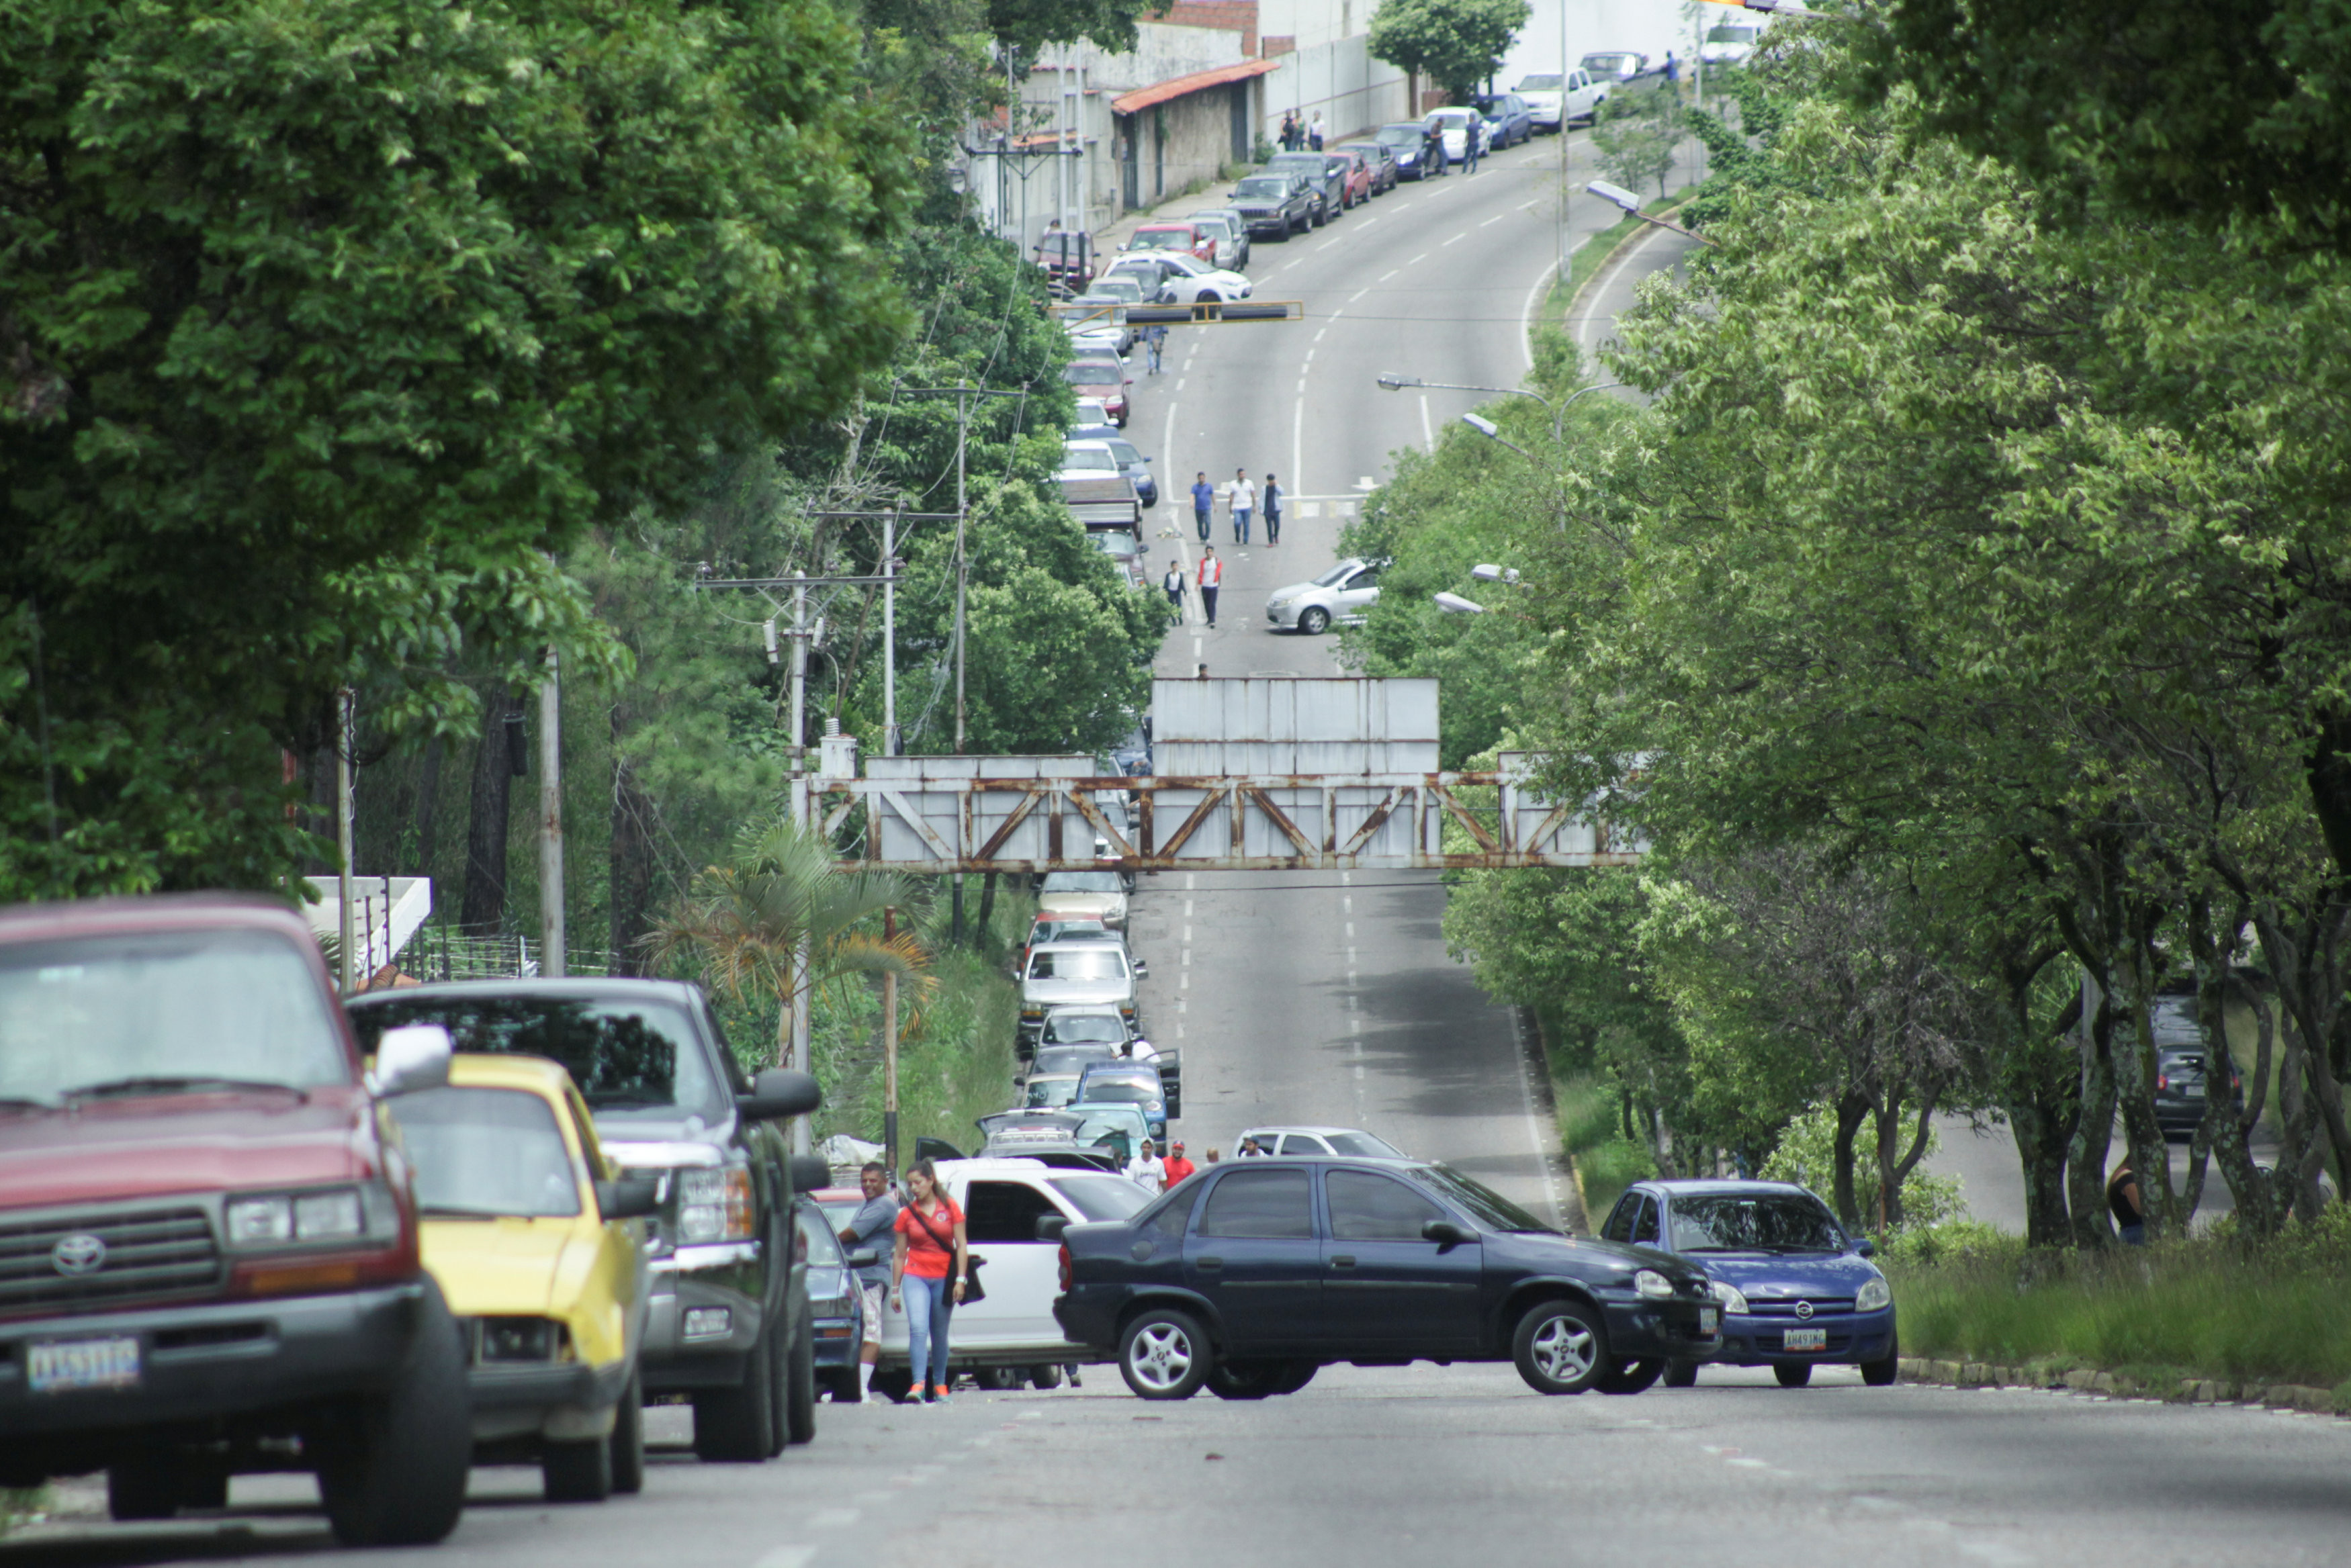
870 1227
1204 502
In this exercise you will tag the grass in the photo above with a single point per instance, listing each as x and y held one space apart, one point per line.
2215 1308
1605 1162
22 1506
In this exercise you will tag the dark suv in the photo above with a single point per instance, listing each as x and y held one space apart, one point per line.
729 1322
208 1247
1275 206
1321 178
1248 1277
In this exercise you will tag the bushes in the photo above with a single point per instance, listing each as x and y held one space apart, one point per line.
2213 1307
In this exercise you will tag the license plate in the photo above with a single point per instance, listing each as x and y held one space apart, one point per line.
1807 1339
60 1366
1709 1319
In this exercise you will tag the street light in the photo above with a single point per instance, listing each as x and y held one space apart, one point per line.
1454 604
1617 196
1485 572
1394 383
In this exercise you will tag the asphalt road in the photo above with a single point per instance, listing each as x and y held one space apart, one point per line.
1329 999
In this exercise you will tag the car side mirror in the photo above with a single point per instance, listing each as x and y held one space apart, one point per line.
1142 969
1865 1247
1050 1226
411 1057
629 1198
809 1173
778 1092
1445 1232
863 1258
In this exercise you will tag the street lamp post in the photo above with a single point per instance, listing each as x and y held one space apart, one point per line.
1394 383
1617 196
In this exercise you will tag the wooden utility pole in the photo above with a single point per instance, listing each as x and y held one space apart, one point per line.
550 820
890 1050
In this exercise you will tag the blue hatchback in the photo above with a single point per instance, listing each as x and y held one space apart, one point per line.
1796 1290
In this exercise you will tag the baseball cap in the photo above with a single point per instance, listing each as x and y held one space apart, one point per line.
1179 1147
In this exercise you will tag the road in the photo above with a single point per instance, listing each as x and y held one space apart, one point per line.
1330 998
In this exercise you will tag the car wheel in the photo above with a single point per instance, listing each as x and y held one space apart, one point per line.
393 1472
800 1387
1164 1355
1631 1376
1793 1374
1681 1373
628 1439
1881 1374
145 1488
577 1472
1300 1375
997 1379
1314 620
734 1425
1047 1376
1561 1347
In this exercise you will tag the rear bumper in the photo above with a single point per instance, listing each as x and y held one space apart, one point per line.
216 1367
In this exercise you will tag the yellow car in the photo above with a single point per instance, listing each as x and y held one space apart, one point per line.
532 1236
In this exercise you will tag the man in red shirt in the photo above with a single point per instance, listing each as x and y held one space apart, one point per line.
1178 1167
1212 577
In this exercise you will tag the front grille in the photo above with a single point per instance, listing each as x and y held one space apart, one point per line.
148 1252
1822 1306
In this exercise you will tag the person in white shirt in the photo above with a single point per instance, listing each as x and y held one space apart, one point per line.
1147 1169
1244 502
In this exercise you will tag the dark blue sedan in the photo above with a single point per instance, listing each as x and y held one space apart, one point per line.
1796 1290
1248 1277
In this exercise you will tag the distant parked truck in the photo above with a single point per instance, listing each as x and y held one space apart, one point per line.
1624 71
209 1257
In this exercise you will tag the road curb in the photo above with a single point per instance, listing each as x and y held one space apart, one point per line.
2216 1392
1609 258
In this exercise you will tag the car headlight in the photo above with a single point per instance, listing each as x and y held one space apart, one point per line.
1654 1285
1279 601
1728 1295
292 1218
713 1205
1873 1295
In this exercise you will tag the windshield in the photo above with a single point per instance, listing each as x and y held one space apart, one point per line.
1103 1197
1364 1146
1081 882
1399 135
1163 240
638 1055
164 1011
1220 227
1338 574
1052 1094
1451 118
1104 962
1489 1208
1095 1026
1541 84
1606 62
1731 35
816 1235
1104 1122
487 1152
1058 1059
1125 453
1121 545
1116 286
1118 1092
1753 1222
1091 459
1092 373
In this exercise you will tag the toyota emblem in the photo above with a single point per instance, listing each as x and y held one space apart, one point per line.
1803 1310
80 1253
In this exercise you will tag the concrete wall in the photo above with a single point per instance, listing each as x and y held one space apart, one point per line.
1354 91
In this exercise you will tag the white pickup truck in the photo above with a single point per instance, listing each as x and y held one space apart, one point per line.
1011 1336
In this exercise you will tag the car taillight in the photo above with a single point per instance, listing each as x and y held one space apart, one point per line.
2163 1080
1065 1267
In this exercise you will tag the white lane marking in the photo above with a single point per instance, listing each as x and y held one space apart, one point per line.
1527 311
1616 265
1029 1415
1320 330
1182 1006
1179 386
1351 963
1359 1072
1358 294
834 1518
1183 982
1298 439
1456 239
1355 1025
1346 878
1187 915
1528 206
1301 392
1388 275
1418 259
1188 930
1188 881
1748 1464
1492 220
1427 431
1309 357
1188 958
1351 930
1179 1032
785 1557
1348 903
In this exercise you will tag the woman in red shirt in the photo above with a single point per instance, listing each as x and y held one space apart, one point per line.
927 1272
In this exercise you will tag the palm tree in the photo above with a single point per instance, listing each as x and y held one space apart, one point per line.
786 916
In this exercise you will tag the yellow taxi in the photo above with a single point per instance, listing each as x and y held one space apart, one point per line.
534 1238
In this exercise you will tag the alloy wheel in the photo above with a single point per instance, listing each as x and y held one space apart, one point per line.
1564 1349
1161 1356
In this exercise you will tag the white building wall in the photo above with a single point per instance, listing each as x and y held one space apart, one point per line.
1331 69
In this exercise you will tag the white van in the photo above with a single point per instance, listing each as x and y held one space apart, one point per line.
1011 1335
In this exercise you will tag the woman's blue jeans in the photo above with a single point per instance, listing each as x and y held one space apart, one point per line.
929 1303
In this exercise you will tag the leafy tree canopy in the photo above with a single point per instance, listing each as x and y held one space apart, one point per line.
1456 44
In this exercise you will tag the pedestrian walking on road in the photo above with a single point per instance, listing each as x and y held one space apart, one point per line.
1469 140
1173 583
1154 339
1314 132
1146 1169
1212 577
928 1271
1244 502
1204 502
1270 499
1178 1167
867 1228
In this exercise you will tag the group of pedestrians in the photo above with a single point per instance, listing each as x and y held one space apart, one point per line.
927 1275
1297 133
1242 499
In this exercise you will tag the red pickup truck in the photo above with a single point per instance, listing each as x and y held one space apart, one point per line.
208 1242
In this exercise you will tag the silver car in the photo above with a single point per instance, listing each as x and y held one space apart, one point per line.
1342 593
1231 230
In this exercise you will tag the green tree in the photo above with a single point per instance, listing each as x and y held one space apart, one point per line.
324 324
1456 44
1634 135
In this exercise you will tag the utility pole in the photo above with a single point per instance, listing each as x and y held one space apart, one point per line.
550 820
798 753
344 832
889 739
889 1049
